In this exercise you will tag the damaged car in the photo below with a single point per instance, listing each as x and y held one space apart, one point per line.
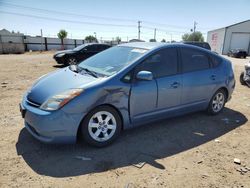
245 75
125 86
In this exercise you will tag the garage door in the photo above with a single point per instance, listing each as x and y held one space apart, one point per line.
240 40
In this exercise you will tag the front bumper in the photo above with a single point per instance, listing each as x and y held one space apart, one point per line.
50 127
59 60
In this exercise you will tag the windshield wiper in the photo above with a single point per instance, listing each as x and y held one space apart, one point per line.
77 69
92 73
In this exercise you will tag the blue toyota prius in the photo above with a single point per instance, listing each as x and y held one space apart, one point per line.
125 86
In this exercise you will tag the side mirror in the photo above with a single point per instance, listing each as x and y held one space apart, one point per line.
144 75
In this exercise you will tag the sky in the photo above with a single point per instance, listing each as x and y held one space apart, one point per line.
108 19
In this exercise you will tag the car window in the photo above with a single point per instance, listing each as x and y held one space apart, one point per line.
103 47
193 60
91 48
163 63
215 60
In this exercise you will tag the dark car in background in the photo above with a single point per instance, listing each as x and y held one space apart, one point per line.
78 54
238 53
199 44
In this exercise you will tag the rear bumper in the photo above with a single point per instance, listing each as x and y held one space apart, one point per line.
50 127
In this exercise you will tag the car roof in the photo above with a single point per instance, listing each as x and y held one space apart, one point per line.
88 44
154 45
144 45
194 42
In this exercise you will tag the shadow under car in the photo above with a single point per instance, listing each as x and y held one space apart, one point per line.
143 144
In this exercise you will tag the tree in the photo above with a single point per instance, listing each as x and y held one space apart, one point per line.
152 40
62 35
118 39
90 38
196 36
163 40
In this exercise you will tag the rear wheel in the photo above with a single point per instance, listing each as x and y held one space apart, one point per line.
101 126
217 102
241 79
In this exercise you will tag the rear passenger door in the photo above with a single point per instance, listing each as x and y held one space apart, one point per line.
199 80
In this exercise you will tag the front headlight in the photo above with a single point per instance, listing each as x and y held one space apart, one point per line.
59 100
60 55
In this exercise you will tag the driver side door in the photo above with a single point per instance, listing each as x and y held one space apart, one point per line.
155 98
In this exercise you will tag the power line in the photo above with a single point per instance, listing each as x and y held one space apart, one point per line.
164 30
67 13
96 17
67 21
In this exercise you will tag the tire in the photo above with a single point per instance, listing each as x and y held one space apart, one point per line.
219 99
242 80
98 132
71 61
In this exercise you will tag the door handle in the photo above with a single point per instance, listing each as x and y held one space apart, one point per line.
175 85
213 77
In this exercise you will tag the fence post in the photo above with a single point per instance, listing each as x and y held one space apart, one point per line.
25 43
46 44
1 42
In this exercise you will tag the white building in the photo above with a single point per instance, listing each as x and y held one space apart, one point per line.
231 37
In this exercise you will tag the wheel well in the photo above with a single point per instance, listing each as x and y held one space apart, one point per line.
225 90
79 126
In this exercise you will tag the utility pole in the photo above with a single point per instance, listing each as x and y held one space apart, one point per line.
155 34
195 23
41 39
139 30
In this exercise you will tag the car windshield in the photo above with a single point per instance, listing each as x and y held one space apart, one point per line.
80 47
112 60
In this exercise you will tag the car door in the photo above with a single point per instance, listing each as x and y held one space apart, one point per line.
149 98
199 79
168 80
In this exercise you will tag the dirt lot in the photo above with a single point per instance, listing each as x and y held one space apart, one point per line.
195 150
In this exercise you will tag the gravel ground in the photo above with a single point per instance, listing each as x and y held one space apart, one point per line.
195 150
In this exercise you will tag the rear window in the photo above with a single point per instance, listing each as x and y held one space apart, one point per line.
216 61
194 60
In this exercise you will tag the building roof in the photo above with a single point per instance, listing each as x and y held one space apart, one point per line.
231 25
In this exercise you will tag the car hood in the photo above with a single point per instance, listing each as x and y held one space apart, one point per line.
57 82
65 51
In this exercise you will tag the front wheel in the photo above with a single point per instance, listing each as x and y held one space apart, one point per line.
101 126
71 61
217 102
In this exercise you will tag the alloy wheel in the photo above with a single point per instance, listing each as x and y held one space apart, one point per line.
218 102
72 61
102 126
